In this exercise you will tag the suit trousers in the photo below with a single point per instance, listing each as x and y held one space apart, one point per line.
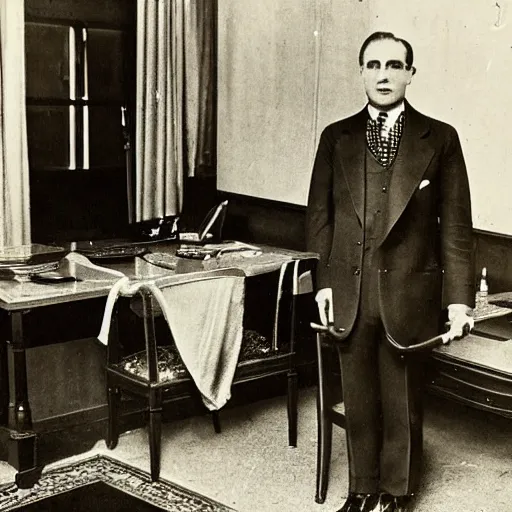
382 393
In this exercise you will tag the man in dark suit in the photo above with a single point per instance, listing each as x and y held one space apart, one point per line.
389 214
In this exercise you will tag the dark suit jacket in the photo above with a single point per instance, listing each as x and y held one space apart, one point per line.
425 253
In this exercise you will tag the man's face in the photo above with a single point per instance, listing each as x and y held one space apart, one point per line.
384 73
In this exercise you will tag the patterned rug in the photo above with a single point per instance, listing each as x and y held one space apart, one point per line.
105 481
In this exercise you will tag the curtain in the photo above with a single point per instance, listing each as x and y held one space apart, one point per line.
14 174
200 31
175 48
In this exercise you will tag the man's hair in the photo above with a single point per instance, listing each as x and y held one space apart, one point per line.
380 36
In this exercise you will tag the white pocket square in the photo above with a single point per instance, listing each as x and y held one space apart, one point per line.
424 183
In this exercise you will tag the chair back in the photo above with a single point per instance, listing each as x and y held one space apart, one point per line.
295 278
146 307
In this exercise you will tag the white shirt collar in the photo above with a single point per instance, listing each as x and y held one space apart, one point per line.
392 114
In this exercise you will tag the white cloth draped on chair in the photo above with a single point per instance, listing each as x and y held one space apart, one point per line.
205 317
173 100
14 174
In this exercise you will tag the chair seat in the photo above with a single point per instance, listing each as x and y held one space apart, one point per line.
255 347
170 365
338 408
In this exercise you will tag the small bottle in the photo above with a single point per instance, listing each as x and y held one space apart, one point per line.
483 290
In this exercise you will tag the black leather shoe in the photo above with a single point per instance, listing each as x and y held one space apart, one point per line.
361 503
389 503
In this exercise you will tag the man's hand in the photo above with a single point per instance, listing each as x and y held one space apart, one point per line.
324 300
460 319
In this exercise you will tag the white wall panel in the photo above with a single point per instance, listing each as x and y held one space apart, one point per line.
287 68
282 77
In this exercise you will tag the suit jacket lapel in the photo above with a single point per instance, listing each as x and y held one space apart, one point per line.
351 153
412 160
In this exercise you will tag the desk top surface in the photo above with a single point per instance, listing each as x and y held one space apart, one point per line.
95 280
479 351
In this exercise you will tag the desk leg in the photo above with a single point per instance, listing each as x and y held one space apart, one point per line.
20 439
20 451
292 380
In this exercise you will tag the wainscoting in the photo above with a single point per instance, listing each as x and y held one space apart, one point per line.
270 222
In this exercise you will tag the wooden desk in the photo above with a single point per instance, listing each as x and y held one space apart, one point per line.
476 371
25 301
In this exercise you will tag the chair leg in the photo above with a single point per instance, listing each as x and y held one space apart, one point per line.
292 408
113 397
216 421
323 460
324 426
155 434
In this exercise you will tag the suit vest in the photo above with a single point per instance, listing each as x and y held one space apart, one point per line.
377 180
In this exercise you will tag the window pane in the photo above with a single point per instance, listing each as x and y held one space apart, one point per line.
47 60
105 69
48 136
106 144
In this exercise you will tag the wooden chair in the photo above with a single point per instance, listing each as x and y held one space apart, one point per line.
295 280
157 383
330 409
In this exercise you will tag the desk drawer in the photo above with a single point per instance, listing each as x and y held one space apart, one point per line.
479 387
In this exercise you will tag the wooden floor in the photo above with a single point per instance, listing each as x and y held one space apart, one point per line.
468 458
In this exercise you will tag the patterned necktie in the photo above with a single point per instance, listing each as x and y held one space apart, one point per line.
382 142
381 121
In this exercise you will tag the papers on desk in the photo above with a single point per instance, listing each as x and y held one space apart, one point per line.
250 259
21 262
208 251
492 307
90 281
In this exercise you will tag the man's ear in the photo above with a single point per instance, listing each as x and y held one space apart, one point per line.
412 72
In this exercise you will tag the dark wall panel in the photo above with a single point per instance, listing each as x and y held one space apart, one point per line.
262 221
265 222
112 11
66 378
494 251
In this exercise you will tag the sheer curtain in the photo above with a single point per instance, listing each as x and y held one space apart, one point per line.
175 84
200 32
14 175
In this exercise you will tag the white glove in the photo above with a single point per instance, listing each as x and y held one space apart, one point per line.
324 300
459 315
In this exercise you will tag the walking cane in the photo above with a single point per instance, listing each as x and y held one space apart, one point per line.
339 335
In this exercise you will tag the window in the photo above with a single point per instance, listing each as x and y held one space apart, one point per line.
80 71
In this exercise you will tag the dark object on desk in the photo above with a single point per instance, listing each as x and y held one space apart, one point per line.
210 228
196 254
140 237
207 251
53 277
156 230
30 254
502 303
498 328
115 252
23 272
